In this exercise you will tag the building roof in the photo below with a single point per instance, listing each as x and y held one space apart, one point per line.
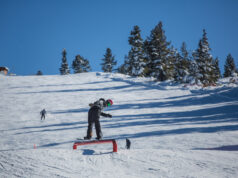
4 68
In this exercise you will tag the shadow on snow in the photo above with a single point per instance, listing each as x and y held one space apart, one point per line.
221 148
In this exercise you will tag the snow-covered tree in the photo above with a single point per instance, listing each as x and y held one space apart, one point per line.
204 60
80 65
217 72
194 75
108 61
146 50
230 67
125 68
136 55
170 66
182 64
157 49
64 69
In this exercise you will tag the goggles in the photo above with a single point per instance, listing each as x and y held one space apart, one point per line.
109 102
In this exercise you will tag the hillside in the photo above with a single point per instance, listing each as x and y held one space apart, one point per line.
175 131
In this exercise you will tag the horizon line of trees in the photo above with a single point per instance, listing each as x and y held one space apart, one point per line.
156 57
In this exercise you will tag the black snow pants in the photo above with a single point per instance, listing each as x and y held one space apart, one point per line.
93 118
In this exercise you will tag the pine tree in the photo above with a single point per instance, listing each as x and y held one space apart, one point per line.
136 55
108 61
158 51
122 69
128 64
193 76
204 60
170 66
80 65
39 73
217 72
182 64
125 68
229 68
64 69
146 50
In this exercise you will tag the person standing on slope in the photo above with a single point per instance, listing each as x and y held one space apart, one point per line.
94 114
43 113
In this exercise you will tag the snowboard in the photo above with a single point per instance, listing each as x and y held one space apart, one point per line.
92 139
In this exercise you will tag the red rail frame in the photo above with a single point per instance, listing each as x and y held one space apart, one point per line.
114 143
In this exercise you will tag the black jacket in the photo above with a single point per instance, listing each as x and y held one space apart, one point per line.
95 111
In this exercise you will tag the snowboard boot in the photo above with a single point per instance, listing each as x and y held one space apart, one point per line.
87 138
98 138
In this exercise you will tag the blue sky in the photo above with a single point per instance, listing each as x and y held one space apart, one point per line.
33 33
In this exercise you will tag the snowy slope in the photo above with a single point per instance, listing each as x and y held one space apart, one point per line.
176 131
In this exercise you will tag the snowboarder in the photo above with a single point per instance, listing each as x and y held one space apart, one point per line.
43 113
94 114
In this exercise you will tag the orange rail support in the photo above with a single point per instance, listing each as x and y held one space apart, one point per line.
114 143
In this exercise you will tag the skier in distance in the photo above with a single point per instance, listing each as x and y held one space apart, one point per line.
43 113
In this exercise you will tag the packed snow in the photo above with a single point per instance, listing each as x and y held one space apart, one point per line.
175 130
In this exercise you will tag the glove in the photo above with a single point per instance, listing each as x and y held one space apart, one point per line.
109 115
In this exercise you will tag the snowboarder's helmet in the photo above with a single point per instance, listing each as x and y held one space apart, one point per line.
109 102
102 101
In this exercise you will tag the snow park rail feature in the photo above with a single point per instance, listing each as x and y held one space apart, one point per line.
114 143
